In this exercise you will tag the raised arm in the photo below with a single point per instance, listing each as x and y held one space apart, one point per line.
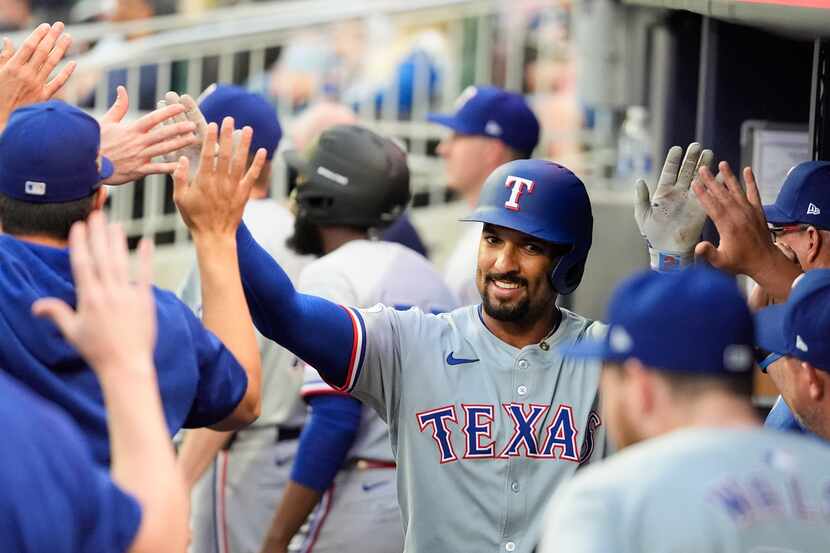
324 334
114 328
211 204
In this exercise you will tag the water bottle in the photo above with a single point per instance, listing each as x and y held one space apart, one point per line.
634 146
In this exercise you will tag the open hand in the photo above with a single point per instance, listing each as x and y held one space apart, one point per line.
670 218
24 74
114 322
132 145
212 201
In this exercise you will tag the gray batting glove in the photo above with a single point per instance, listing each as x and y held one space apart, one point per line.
670 217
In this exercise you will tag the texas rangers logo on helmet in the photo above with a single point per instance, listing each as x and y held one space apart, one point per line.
518 185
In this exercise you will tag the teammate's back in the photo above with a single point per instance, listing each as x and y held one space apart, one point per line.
709 489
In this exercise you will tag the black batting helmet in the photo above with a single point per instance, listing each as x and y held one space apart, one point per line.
352 176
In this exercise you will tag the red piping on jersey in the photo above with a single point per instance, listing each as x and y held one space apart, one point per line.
355 338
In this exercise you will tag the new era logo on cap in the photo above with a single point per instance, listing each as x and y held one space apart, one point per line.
813 209
800 344
492 128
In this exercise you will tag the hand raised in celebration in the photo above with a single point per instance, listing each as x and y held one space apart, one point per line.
24 74
132 145
746 246
671 218
114 323
212 201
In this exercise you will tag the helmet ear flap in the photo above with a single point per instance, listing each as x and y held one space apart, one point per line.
566 278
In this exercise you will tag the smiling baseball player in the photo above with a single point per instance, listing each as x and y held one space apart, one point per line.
485 417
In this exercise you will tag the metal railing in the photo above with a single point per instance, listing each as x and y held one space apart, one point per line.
187 53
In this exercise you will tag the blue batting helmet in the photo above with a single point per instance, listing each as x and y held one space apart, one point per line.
546 201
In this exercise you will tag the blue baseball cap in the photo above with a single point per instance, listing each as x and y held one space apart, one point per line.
246 108
491 111
800 327
693 321
49 154
804 196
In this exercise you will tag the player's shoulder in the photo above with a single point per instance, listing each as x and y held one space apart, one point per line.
575 327
362 260
267 214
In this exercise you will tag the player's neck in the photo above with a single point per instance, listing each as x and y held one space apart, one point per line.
523 333
715 410
334 237
43 240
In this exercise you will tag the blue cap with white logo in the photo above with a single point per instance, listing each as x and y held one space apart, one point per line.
49 154
246 108
491 111
695 321
799 328
804 196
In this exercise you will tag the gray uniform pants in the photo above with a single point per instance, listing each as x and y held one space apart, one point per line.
232 506
359 513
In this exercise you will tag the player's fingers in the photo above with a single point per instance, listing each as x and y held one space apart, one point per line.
168 131
209 149
716 189
709 202
240 153
145 263
170 146
54 57
668 175
118 266
58 312
194 114
253 173
44 48
706 157
53 86
225 147
708 252
7 52
80 260
29 45
690 164
153 118
753 195
161 168
731 182
99 246
642 202
181 180
119 108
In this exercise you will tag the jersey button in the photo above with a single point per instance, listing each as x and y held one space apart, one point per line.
522 364
510 546
522 390
515 487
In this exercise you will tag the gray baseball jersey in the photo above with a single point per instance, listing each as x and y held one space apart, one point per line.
699 490
482 432
363 514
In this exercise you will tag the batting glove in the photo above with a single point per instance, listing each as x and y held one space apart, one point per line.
670 218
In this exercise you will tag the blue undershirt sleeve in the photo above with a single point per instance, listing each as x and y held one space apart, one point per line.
299 322
326 439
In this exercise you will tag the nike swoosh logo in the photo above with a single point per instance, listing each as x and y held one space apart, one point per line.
370 487
458 360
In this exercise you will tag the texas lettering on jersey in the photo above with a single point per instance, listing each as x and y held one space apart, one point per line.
475 421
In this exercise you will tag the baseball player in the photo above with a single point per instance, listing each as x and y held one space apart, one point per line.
55 497
345 466
490 127
797 223
676 395
797 332
237 478
485 417
47 183
309 125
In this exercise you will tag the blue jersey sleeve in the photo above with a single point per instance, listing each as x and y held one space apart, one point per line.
299 322
222 380
55 497
326 439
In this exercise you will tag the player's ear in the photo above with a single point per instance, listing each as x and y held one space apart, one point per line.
815 243
816 381
639 387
